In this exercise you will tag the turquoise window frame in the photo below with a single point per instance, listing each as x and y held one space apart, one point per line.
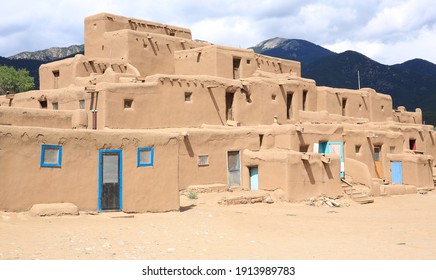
43 151
141 164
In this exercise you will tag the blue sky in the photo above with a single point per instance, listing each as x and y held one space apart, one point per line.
389 31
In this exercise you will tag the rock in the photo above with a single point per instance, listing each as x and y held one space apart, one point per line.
54 209
269 200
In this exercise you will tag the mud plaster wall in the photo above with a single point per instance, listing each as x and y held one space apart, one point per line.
47 118
97 25
267 99
278 66
215 144
164 105
417 169
402 116
147 52
76 181
298 178
364 142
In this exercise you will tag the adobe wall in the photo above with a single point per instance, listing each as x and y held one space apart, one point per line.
43 118
220 61
97 25
363 103
277 65
268 98
76 181
83 71
302 175
360 143
417 169
402 116
214 143
160 102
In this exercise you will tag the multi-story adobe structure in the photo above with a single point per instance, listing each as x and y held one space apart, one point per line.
147 112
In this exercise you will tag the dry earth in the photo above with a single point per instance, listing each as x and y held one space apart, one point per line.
393 227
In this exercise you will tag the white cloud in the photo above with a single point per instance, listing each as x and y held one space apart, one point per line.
388 30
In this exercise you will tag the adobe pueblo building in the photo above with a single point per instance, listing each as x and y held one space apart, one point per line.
147 112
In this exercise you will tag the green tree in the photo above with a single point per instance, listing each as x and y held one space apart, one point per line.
15 81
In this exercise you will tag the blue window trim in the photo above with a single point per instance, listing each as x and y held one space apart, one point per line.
100 176
59 162
139 163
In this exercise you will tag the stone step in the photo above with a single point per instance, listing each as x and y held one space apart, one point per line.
363 199
246 199
208 188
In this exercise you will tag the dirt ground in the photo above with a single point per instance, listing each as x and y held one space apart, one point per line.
393 227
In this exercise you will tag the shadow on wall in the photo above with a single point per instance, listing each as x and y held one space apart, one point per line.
309 171
188 146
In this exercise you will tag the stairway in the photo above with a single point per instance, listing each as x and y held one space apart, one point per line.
357 194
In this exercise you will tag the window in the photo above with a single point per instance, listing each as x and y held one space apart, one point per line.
51 156
128 103
412 144
43 103
82 104
203 160
55 105
392 149
305 100
377 150
248 61
56 79
289 95
357 148
146 156
344 106
188 96
273 96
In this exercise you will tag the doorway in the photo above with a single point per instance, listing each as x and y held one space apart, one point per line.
377 161
110 180
236 66
254 178
289 96
233 168
230 96
397 172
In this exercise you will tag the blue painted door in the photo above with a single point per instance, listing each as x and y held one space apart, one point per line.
254 178
397 172
110 180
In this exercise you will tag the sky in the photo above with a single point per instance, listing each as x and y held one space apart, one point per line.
388 31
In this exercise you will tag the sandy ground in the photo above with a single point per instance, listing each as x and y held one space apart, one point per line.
394 227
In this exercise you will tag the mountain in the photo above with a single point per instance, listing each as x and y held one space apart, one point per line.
50 54
293 49
411 84
32 60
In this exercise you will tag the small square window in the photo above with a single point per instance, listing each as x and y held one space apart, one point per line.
188 96
273 96
146 156
357 148
248 61
55 105
128 103
82 104
203 160
51 156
